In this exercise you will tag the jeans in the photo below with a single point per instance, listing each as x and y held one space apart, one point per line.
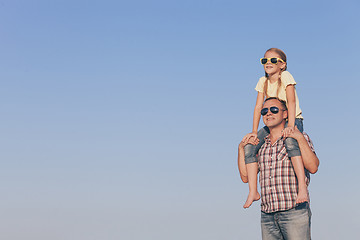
292 146
293 224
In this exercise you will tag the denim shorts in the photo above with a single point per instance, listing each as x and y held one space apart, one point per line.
292 146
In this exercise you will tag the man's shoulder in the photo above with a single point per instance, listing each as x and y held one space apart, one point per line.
306 136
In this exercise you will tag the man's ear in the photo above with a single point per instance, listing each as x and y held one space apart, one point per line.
285 114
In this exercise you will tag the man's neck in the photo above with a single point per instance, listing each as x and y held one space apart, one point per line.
275 133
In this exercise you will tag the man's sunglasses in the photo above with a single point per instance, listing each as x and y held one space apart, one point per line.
274 110
272 60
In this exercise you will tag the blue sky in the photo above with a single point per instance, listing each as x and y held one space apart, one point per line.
121 119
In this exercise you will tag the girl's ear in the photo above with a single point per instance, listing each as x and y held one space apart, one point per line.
283 66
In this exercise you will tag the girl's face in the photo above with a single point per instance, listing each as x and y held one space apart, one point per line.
271 68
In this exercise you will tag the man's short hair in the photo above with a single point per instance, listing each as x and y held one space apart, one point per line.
283 103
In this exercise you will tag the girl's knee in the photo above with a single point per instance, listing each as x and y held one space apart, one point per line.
292 147
249 150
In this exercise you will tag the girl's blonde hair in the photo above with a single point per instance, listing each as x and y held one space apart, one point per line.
282 55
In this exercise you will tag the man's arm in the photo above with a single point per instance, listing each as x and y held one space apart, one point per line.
241 163
241 159
311 161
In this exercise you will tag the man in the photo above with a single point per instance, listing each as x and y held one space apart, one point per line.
281 217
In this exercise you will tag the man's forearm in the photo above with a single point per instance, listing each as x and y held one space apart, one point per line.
241 163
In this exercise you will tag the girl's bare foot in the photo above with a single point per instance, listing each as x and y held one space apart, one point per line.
302 196
251 198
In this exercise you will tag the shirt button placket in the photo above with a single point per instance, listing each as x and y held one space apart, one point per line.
271 171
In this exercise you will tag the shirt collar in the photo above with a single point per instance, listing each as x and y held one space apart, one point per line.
267 139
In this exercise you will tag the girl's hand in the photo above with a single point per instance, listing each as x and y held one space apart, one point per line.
250 138
286 132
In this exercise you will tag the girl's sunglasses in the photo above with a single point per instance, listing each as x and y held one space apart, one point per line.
274 110
272 60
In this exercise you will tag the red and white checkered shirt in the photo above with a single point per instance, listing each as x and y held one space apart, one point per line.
277 177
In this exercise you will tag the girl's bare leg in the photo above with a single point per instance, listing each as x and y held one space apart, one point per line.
300 174
252 171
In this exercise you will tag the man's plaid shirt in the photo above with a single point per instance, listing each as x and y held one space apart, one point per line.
277 177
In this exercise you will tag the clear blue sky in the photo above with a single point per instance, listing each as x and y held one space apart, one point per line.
121 119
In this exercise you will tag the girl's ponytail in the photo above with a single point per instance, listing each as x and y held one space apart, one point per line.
279 84
266 83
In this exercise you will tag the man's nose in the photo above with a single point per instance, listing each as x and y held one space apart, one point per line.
268 113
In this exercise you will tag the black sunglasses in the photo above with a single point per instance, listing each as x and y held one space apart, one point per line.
274 110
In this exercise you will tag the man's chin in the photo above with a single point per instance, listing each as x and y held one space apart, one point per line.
271 123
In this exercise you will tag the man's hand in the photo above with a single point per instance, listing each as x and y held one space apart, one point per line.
250 138
286 132
295 134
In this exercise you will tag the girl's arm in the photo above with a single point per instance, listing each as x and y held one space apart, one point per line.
291 102
256 119
257 110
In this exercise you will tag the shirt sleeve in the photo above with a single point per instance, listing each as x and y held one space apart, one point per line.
287 79
309 142
260 85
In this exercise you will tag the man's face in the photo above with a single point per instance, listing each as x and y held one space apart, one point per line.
274 119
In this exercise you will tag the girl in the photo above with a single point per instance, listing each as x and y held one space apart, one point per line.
279 83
